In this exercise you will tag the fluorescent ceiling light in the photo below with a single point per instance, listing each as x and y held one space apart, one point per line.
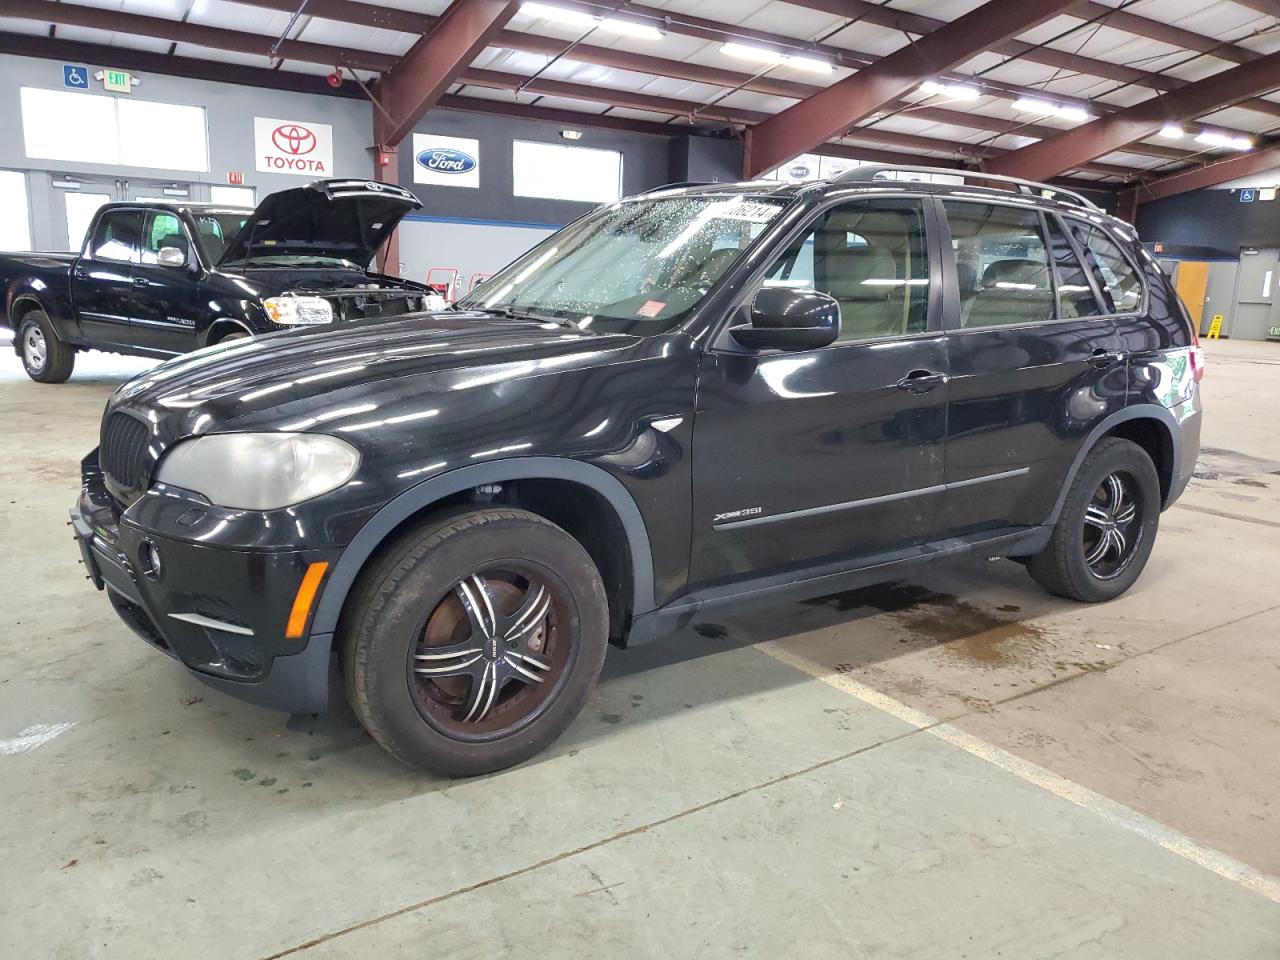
1045 108
745 51
585 21
572 18
956 91
1213 138
1172 131
629 28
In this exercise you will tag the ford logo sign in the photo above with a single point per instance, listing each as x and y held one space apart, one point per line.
446 160
799 171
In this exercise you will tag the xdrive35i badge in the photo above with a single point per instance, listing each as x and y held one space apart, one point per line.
737 514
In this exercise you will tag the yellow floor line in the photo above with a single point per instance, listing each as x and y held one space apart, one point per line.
1222 864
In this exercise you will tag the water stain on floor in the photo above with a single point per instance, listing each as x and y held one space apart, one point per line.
977 636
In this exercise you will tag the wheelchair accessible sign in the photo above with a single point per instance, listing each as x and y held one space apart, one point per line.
75 76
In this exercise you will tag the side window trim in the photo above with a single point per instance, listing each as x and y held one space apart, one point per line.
1054 281
719 340
1143 301
1100 296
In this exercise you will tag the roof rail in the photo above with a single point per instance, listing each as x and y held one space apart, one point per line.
869 172
677 185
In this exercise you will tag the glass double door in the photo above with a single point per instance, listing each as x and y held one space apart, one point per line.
74 206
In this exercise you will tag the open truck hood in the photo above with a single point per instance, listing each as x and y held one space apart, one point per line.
347 219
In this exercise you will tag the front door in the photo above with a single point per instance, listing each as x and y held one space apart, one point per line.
102 279
166 297
1255 311
1036 362
822 456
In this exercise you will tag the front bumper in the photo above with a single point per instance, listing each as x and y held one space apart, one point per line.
221 612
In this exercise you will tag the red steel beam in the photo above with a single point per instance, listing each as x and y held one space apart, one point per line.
1050 157
802 127
883 16
409 89
366 14
1166 33
1210 175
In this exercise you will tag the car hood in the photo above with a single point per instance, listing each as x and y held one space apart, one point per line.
310 370
346 219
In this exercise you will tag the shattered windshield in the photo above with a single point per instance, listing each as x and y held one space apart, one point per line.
638 266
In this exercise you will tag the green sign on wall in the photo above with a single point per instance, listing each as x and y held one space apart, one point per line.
1273 333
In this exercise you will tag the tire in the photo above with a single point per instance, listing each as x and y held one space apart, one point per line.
232 337
1077 563
45 358
469 583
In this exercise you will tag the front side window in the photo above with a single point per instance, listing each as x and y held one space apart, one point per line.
871 257
215 228
163 230
1120 282
116 236
638 266
1002 264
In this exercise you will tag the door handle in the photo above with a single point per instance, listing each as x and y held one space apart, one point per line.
922 381
141 282
82 273
1102 358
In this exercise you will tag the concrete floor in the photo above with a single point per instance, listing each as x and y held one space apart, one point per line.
959 766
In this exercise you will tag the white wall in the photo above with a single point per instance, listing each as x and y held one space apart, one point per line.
472 248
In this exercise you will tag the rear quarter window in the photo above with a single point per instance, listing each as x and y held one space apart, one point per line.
1119 280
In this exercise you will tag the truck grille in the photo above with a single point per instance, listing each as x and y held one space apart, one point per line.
123 451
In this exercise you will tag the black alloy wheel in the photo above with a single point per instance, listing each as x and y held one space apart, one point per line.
493 652
1112 527
1106 527
474 639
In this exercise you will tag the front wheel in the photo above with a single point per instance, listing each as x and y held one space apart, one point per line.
1107 527
475 640
45 358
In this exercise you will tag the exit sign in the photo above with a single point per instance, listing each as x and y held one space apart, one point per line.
117 81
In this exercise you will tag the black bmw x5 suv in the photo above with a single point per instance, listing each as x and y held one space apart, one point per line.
696 398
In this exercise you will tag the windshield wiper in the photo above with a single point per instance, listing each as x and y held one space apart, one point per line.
511 312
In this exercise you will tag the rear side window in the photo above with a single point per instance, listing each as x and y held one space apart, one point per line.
116 236
1117 277
1075 293
1002 264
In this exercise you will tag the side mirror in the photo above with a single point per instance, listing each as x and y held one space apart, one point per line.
783 318
171 257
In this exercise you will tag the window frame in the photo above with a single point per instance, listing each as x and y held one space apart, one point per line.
86 252
738 309
1104 296
1089 274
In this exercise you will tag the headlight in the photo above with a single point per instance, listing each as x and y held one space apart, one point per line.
259 471
291 311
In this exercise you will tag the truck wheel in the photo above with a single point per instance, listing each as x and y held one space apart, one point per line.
1107 527
475 640
45 358
232 337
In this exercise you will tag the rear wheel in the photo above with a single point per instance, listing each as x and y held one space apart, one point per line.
1107 527
45 358
475 641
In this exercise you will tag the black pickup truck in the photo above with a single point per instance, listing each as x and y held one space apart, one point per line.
161 279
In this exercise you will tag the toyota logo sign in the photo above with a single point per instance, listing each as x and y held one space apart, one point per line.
293 146
293 139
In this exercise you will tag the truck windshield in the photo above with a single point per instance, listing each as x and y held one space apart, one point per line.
638 266
214 228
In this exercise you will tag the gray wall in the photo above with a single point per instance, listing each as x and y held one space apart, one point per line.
230 111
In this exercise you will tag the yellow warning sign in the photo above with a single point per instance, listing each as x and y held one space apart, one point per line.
1215 327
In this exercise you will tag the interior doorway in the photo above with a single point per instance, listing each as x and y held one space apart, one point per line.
1255 315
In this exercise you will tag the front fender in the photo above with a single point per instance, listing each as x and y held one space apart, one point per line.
390 517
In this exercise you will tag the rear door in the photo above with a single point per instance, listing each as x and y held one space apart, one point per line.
803 458
1036 363
166 299
102 279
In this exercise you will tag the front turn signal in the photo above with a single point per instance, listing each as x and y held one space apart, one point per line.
305 599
